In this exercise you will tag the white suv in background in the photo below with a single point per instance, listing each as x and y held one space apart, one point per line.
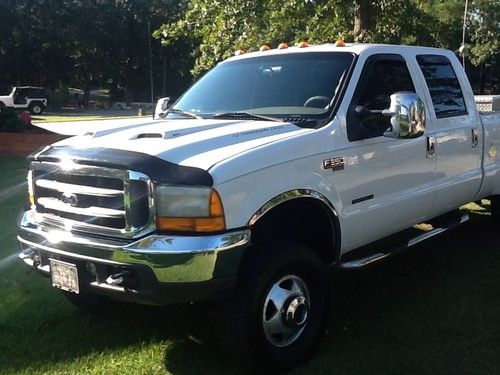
34 99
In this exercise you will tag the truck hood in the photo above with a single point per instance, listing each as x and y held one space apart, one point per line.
193 143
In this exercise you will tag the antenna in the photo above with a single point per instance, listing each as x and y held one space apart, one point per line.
462 47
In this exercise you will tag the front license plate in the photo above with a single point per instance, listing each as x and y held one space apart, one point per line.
64 276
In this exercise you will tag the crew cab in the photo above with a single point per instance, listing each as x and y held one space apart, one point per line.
33 99
272 169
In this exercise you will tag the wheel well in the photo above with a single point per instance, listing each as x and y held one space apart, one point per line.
303 220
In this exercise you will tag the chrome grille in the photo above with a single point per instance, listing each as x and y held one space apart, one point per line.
92 199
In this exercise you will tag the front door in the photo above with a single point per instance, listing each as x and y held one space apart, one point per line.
20 96
391 180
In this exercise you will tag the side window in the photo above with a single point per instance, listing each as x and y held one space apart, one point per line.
446 93
20 96
382 76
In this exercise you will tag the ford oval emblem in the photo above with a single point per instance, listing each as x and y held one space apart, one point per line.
70 198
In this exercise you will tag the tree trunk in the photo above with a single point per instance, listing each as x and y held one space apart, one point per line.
362 19
86 93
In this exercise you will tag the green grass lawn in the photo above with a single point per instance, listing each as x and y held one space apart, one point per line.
434 309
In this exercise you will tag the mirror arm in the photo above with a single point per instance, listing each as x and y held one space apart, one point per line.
363 111
388 113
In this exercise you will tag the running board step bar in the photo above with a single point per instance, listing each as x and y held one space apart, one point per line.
438 228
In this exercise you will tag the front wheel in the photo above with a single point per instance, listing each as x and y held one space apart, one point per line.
281 308
36 108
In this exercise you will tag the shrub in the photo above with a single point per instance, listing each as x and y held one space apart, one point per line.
10 121
57 98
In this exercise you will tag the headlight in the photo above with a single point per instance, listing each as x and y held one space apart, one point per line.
189 209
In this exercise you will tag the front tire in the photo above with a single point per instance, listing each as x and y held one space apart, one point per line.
36 108
280 311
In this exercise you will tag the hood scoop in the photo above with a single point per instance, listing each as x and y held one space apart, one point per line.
149 135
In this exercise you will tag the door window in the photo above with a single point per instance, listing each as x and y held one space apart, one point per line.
382 76
20 96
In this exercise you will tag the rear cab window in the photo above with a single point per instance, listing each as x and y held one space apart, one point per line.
446 94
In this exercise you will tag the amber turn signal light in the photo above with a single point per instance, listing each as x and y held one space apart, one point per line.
214 222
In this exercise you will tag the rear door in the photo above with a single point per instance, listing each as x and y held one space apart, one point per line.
455 131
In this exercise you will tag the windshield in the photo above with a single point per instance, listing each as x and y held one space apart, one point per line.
287 86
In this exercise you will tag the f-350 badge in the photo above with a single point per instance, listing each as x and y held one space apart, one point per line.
335 164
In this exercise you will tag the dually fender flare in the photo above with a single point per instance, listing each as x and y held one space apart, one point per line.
301 194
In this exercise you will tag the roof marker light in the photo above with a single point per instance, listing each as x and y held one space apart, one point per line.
264 47
239 52
283 46
340 43
303 44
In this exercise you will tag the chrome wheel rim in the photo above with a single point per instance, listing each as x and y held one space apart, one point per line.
286 311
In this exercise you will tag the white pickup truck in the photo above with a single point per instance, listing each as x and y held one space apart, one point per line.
273 168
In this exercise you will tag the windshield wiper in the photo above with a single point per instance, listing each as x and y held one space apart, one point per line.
244 116
303 122
184 113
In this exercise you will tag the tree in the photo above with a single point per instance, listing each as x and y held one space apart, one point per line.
362 19
105 43
484 25
217 28
89 44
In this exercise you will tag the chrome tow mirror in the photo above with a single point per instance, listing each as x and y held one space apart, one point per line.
161 107
407 113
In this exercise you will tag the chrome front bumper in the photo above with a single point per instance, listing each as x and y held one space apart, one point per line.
159 260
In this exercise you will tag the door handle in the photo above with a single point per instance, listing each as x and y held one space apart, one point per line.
475 137
431 146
